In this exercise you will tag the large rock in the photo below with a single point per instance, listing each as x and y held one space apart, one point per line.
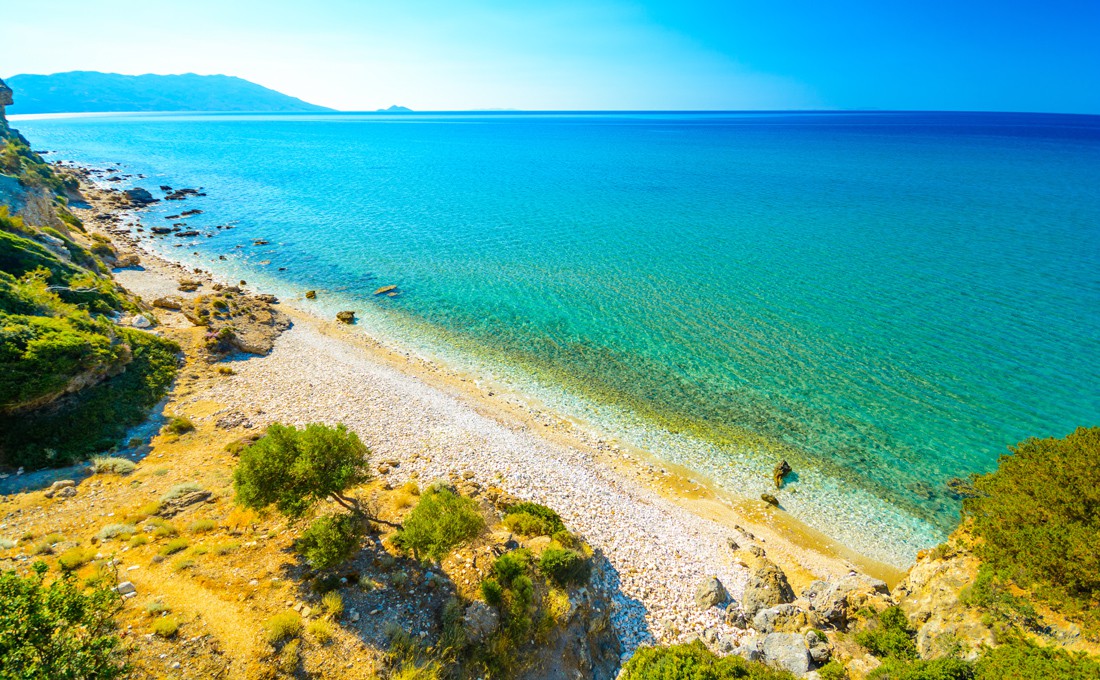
767 585
480 621
832 603
784 618
787 651
175 506
139 196
710 593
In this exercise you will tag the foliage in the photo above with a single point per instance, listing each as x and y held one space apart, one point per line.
166 626
892 637
1022 660
97 417
321 630
915 669
283 627
74 558
694 662
292 469
834 670
1038 516
1001 608
533 519
174 546
330 540
112 465
441 521
115 530
563 566
57 630
201 526
178 425
333 603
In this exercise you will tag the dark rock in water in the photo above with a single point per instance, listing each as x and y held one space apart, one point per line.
161 230
165 188
345 317
139 196
385 289
782 469
311 295
960 488
189 232
769 499
172 217
188 213
259 242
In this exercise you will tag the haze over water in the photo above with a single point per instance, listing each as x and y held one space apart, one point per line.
888 300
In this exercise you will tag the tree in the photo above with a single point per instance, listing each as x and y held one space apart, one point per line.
292 469
57 631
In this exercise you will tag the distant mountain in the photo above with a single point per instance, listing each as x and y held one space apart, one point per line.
84 91
396 109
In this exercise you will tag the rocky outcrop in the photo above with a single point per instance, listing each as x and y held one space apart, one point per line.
234 321
139 196
831 604
5 97
767 585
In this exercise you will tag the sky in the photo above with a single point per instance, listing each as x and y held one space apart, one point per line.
595 54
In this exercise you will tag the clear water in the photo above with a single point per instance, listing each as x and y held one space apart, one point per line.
888 300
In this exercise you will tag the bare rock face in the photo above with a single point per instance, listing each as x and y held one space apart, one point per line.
831 604
177 505
480 621
767 585
929 596
5 96
235 322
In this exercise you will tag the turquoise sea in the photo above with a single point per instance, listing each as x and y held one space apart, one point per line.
887 300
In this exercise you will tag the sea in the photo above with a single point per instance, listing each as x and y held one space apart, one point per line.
886 300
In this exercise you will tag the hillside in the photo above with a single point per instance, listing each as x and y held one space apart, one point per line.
86 91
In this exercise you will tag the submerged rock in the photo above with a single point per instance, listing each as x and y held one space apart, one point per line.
385 289
769 499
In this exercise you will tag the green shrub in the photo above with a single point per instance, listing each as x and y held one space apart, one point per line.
440 522
1038 516
180 490
156 608
174 546
166 626
834 670
110 464
510 565
563 567
330 540
892 637
74 558
293 469
492 591
533 519
115 530
915 669
201 526
282 627
1022 660
178 425
321 630
58 630
694 662
333 603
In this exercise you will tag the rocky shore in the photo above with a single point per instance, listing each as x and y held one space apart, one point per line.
660 536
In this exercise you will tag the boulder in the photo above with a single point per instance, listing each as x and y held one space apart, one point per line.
710 593
783 618
311 295
141 321
139 196
818 645
769 499
177 505
782 469
831 603
480 621
345 317
787 651
127 260
767 587
168 302
58 487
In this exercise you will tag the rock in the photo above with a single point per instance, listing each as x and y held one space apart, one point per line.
710 593
831 603
767 587
354 616
345 317
736 617
139 196
177 505
311 295
187 233
5 96
751 649
189 286
504 538
818 645
769 499
141 321
161 230
480 621
929 596
127 260
782 469
385 289
787 651
168 302
259 242
67 492
783 618
57 487
125 588
268 298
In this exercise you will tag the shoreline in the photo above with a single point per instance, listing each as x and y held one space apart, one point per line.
806 554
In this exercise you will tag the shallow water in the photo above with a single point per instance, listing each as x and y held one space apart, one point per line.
888 300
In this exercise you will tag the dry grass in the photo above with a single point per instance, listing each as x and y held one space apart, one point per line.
282 627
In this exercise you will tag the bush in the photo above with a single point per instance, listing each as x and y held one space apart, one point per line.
174 546
57 631
156 608
694 662
333 603
533 519
1038 516
283 627
563 567
1021 660
115 530
890 636
74 558
511 565
937 669
321 630
834 670
109 464
493 593
292 469
201 526
178 425
166 626
330 540
440 522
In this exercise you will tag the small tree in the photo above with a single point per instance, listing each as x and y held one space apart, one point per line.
440 521
56 631
292 469
329 540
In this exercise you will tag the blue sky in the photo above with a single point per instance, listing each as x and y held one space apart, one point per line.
599 54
